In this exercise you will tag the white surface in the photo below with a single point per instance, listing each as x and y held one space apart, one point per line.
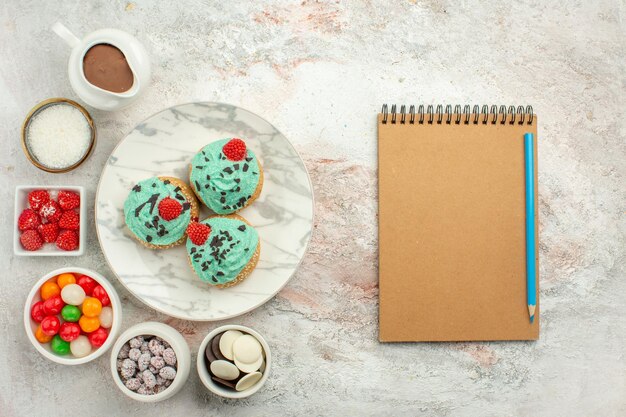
205 376
48 249
319 71
175 340
164 145
30 325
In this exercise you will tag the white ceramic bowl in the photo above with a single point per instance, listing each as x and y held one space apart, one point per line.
176 341
48 249
218 389
30 325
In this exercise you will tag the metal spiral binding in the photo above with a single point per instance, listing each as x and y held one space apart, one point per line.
490 114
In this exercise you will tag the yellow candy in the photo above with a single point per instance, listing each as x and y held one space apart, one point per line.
49 289
92 307
65 279
88 324
41 336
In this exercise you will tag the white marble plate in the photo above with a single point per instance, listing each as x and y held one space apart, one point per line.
164 145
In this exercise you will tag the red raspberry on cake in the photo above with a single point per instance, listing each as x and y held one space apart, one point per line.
30 240
49 232
51 211
198 233
28 220
68 200
38 198
235 149
69 220
169 209
67 240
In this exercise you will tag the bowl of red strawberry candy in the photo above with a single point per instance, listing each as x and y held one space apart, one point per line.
48 220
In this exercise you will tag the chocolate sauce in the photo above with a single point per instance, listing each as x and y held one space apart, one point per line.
105 66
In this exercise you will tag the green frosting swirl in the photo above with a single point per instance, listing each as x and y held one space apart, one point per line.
228 249
141 212
223 185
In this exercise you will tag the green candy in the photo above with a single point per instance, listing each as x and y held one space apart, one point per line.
70 313
59 346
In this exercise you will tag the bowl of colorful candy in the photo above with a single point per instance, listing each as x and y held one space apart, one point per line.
234 361
150 362
72 315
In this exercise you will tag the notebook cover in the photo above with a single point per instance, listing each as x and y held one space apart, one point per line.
452 232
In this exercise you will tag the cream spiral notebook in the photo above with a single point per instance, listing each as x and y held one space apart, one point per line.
452 223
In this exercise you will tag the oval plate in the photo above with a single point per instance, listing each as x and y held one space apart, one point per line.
164 145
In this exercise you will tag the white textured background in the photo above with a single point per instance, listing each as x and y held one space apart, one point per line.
319 71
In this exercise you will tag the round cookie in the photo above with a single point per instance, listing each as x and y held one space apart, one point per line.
224 370
223 250
158 211
227 341
247 349
248 380
226 175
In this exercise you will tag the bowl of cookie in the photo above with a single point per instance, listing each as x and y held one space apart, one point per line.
234 361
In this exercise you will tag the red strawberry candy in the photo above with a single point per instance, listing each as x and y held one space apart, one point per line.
50 325
69 331
37 198
198 233
36 312
101 294
51 211
31 240
53 305
169 209
69 220
68 200
48 232
67 240
28 220
98 337
235 149
87 283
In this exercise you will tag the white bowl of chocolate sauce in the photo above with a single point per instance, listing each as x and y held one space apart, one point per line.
108 69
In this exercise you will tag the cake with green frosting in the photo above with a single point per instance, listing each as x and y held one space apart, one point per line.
158 211
223 250
226 175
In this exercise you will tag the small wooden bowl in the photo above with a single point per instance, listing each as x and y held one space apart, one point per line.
39 107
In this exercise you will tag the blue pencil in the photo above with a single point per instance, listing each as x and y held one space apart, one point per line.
531 267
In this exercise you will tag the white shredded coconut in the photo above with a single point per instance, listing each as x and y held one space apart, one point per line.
58 136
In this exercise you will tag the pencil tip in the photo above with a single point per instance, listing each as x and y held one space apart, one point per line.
532 319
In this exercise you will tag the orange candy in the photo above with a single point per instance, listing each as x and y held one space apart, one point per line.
65 279
88 324
41 336
49 289
92 307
